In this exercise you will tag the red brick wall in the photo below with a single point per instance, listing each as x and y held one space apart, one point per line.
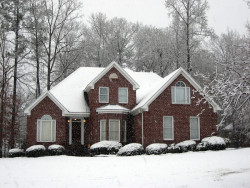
162 106
46 106
93 94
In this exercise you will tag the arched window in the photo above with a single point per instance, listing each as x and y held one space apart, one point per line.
46 129
180 93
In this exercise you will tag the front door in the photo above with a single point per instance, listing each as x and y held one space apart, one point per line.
76 133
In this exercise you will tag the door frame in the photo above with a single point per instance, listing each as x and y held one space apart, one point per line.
82 129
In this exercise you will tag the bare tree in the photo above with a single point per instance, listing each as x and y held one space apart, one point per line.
58 13
191 14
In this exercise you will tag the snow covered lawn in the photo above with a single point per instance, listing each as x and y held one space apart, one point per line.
227 168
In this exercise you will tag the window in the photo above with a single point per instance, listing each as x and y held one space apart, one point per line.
124 126
104 94
46 129
123 95
180 93
194 128
114 130
102 130
168 128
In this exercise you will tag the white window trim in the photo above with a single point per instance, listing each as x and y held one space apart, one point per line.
100 95
187 101
103 120
39 125
119 95
172 128
119 129
199 129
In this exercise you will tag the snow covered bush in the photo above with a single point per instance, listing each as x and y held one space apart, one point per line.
131 149
56 150
16 152
227 141
35 151
156 149
174 149
201 147
187 145
105 147
214 143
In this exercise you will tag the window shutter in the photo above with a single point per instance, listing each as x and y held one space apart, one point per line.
188 95
38 139
53 131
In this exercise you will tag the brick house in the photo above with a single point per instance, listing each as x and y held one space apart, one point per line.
94 104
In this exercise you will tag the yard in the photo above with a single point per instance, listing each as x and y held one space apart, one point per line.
227 168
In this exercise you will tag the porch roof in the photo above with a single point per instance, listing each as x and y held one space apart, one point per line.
112 108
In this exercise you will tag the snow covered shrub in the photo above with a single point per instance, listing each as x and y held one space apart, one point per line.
174 149
227 141
156 149
105 147
201 147
56 150
214 143
187 145
131 149
35 151
16 152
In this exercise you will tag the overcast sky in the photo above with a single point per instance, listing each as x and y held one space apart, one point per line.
222 15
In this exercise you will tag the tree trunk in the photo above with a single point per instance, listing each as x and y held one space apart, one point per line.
38 89
188 38
14 111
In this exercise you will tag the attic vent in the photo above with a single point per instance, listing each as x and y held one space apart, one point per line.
113 76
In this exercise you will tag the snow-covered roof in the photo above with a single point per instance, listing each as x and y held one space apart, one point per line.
68 95
112 108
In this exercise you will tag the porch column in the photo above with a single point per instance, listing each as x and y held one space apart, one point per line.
82 131
70 131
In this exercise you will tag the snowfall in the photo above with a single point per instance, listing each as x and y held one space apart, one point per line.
226 168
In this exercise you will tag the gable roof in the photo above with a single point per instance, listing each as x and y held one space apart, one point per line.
68 95
40 98
120 69
152 94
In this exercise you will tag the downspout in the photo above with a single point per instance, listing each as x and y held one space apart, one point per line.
142 135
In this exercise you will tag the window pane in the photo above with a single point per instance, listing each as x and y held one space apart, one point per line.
194 128
46 131
123 95
102 130
103 94
114 130
103 91
180 95
168 127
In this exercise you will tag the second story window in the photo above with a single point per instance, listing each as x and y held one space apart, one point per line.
180 93
123 95
103 94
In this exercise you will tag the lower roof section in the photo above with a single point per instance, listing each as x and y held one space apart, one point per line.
112 109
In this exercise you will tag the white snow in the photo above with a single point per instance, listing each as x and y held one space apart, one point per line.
226 168
15 150
36 147
213 140
156 147
186 143
130 147
112 108
106 144
55 147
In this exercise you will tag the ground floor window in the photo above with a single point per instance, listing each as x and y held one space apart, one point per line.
46 129
194 128
114 130
102 130
168 128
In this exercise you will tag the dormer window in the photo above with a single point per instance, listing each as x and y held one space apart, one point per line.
103 94
180 93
